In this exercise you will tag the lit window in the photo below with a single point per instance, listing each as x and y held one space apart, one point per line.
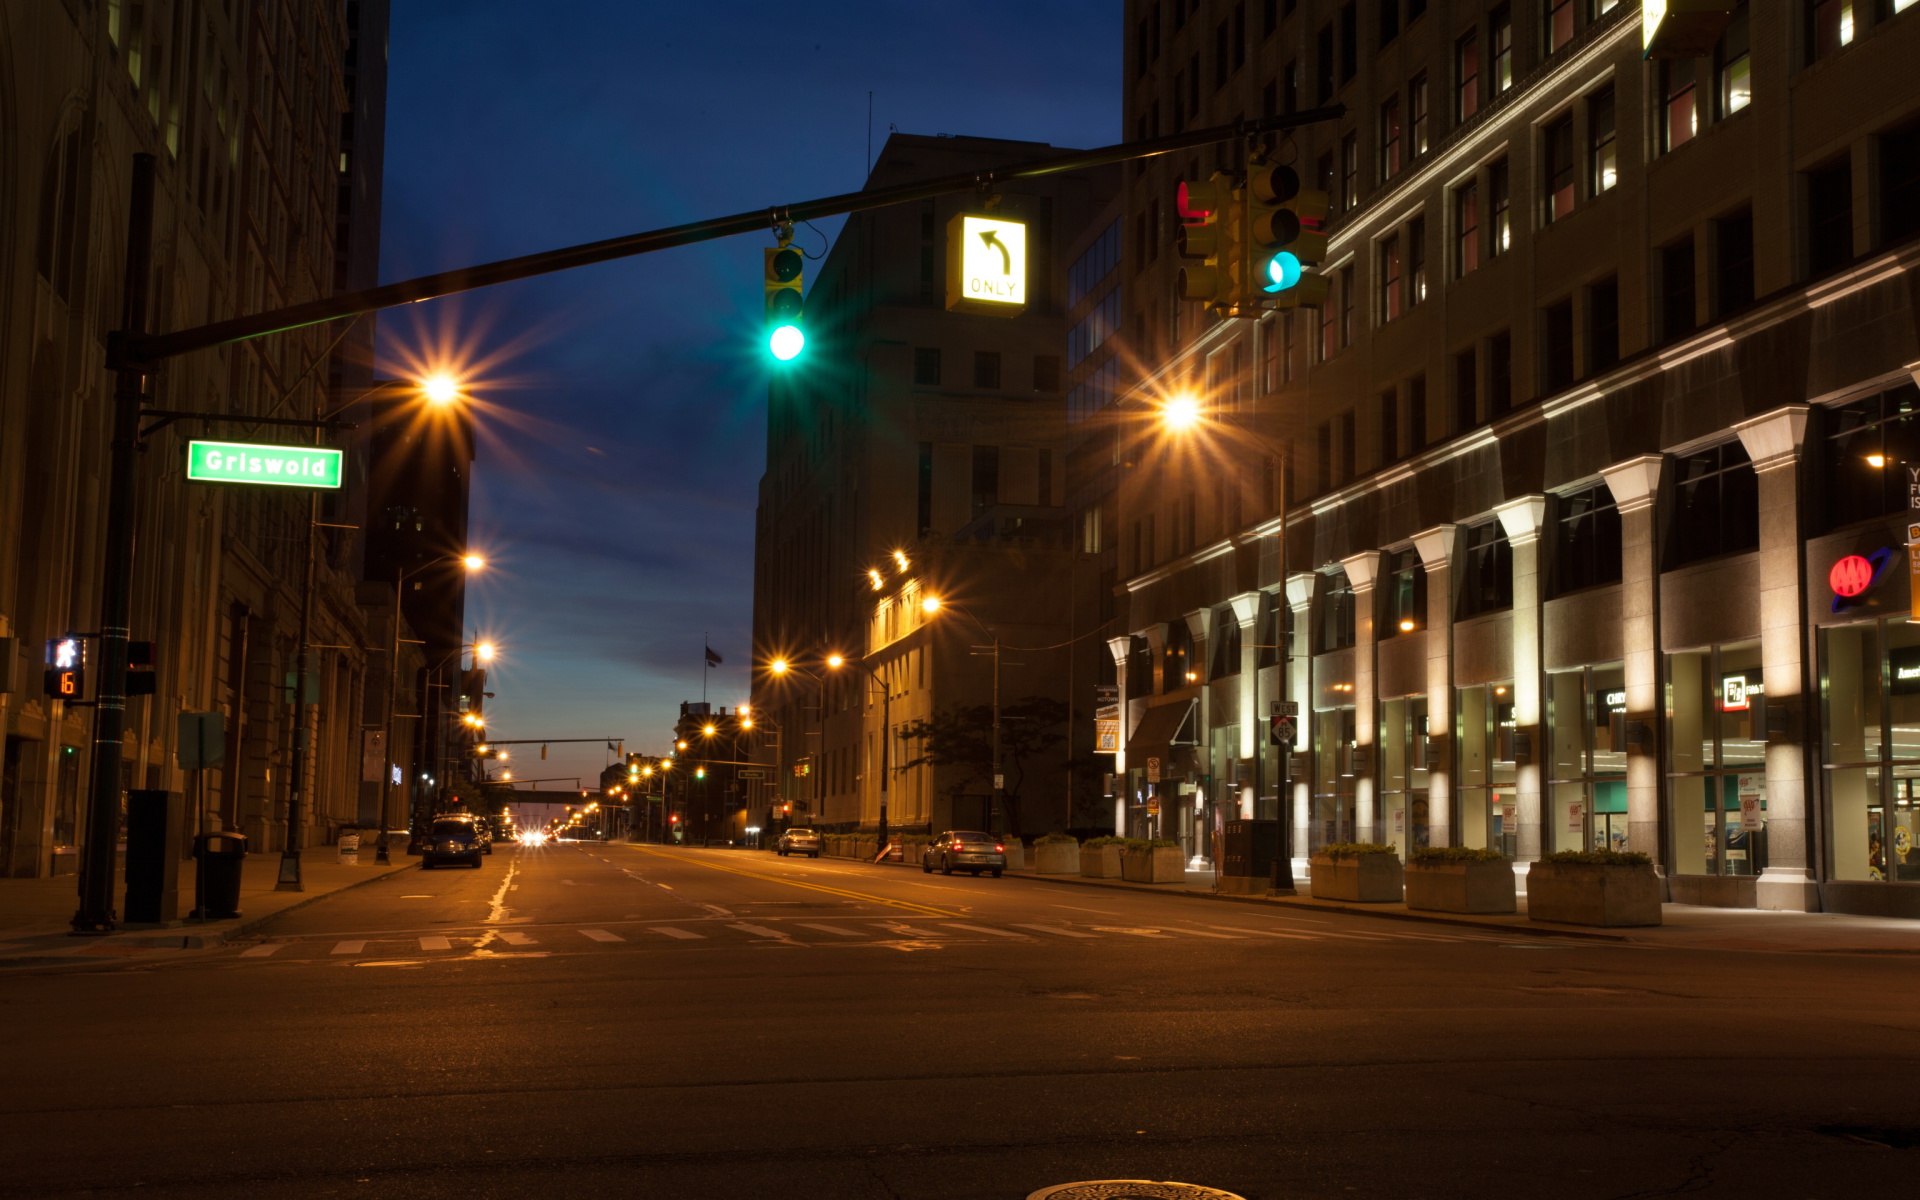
1602 153
1733 67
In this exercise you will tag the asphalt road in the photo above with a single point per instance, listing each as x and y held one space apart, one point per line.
612 1020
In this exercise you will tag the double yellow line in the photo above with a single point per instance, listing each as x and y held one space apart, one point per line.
910 906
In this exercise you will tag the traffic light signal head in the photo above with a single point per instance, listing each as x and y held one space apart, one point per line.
1205 239
1283 237
785 269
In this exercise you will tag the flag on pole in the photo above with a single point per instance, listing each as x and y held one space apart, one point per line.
713 657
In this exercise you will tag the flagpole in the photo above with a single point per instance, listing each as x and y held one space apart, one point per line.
706 664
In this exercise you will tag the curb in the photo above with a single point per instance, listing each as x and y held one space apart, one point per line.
246 927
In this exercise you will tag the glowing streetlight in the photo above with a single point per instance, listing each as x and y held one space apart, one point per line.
440 389
472 562
835 661
484 652
900 559
778 666
930 605
708 730
1180 413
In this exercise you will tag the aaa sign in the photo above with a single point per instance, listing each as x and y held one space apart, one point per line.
279 466
986 265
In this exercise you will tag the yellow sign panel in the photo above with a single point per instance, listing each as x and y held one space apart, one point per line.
986 265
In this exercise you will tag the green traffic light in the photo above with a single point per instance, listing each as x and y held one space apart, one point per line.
786 342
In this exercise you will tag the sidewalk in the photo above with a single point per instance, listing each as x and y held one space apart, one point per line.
34 912
1686 926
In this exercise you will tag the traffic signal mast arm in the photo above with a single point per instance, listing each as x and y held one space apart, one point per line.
135 350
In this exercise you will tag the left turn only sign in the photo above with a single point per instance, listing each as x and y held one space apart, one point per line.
277 466
986 265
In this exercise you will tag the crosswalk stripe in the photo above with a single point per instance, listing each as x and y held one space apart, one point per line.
834 929
907 929
514 937
1062 930
995 932
262 950
759 931
601 935
1145 933
435 943
1203 933
349 947
1299 937
671 932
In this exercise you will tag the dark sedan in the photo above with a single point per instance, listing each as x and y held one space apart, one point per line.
452 839
965 850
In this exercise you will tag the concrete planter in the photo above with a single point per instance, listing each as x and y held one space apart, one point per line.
1364 878
866 848
1016 853
1055 858
911 854
1162 864
1593 893
1461 887
1100 862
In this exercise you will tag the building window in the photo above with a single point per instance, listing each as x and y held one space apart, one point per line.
1416 261
1733 265
1499 374
1900 184
1406 594
1323 457
1389 21
1499 203
1417 115
986 478
1336 631
925 488
1557 365
1349 448
1466 391
986 368
1500 37
1602 151
1290 87
926 366
1466 77
1330 321
1389 427
1390 138
1830 218
1466 229
1732 67
1286 347
1586 540
1349 171
1559 24
1829 27
1046 373
1486 570
1349 40
1346 307
1389 307
1678 121
1270 354
1416 414
1716 505
1872 448
1870 727
1676 290
1603 326
1557 144
1224 645
1323 64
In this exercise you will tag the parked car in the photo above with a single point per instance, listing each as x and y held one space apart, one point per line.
799 841
965 850
453 839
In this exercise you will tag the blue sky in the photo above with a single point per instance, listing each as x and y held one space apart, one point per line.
622 407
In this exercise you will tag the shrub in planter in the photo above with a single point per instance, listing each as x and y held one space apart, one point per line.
1100 857
1055 854
1459 879
1155 861
1594 887
1365 872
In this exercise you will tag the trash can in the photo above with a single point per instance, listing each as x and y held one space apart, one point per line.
217 894
350 849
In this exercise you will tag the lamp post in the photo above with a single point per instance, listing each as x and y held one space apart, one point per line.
781 666
933 605
748 721
482 652
835 662
470 563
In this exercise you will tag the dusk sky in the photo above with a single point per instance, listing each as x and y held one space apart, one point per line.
622 407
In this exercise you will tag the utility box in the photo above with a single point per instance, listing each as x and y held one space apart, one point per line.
153 857
1251 847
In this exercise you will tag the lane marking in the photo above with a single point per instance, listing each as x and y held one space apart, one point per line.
1105 912
1062 930
1145 933
498 910
417 897
899 928
834 929
601 935
262 950
1203 933
569 883
925 910
435 943
995 932
759 931
514 937
671 932
349 947
1298 937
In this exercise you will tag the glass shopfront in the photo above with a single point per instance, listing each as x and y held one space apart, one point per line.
1587 760
1870 690
1717 760
1403 774
1485 797
1332 815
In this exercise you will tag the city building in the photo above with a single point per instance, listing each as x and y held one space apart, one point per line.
908 429
1574 517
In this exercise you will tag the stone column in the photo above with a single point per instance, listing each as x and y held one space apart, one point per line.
1436 557
1246 614
1200 625
1635 484
1300 596
1773 442
1363 570
1522 519
1121 649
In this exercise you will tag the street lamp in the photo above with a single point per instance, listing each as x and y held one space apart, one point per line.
470 563
886 734
932 605
1180 412
781 667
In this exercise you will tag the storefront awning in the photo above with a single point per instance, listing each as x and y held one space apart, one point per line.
1162 728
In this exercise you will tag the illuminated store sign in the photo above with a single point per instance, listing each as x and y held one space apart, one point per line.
1850 577
1737 692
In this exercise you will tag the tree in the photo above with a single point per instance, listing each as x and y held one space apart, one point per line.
962 736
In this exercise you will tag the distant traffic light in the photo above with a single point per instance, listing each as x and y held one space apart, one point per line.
1283 237
1205 240
785 271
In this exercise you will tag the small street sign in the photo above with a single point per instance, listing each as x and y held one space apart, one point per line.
987 265
753 774
276 466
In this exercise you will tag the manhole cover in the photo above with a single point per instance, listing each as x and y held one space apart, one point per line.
1130 1189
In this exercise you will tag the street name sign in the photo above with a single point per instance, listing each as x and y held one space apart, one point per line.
276 466
986 265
